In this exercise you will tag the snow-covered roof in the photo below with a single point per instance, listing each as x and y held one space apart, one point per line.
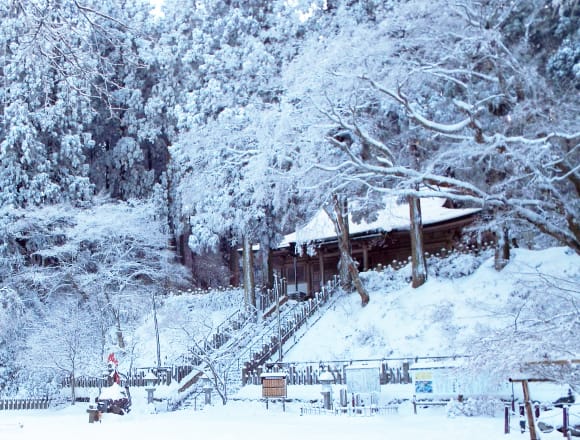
436 364
394 216
363 366
274 374
114 392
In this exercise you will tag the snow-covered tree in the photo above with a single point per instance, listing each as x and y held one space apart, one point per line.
74 86
42 138
512 159
454 84
329 105
542 318
13 320
225 193
130 144
225 144
62 344
111 258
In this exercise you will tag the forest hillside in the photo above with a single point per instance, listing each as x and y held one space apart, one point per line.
143 154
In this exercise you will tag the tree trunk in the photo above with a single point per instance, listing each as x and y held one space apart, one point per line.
248 269
339 217
418 262
117 316
502 249
234 266
266 264
340 220
120 339
73 388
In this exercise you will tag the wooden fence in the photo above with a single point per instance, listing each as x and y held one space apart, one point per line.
165 376
390 372
19 404
353 411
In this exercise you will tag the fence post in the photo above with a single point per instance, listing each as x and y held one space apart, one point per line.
565 420
406 372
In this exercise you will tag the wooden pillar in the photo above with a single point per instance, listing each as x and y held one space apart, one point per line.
365 250
529 410
285 268
308 275
321 264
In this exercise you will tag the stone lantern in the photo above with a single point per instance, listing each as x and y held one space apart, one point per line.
326 380
150 382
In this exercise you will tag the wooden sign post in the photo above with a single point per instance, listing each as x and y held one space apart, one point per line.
274 386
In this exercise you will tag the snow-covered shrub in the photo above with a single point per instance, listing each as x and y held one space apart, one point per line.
474 407
456 265
385 279
563 65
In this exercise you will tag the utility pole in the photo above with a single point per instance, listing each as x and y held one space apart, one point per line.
158 344
277 292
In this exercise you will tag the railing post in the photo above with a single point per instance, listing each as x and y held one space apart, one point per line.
565 420
506 414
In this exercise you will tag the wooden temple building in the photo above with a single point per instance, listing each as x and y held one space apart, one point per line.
308 258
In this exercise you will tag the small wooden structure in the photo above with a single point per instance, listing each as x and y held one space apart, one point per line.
528 405
525 381
274 386
94 414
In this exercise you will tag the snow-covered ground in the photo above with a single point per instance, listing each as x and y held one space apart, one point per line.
249 419
434 320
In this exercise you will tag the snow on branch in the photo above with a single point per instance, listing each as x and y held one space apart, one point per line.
448 74
361 133
414 114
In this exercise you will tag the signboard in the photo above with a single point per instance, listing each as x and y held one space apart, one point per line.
423 382
273 385
363 379
450 379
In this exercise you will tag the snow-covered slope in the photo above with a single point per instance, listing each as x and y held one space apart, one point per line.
463 297
437 319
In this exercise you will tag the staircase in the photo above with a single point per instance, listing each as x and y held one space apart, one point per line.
243 345
284 330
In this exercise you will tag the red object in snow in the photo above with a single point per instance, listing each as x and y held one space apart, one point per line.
113 363
112 359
